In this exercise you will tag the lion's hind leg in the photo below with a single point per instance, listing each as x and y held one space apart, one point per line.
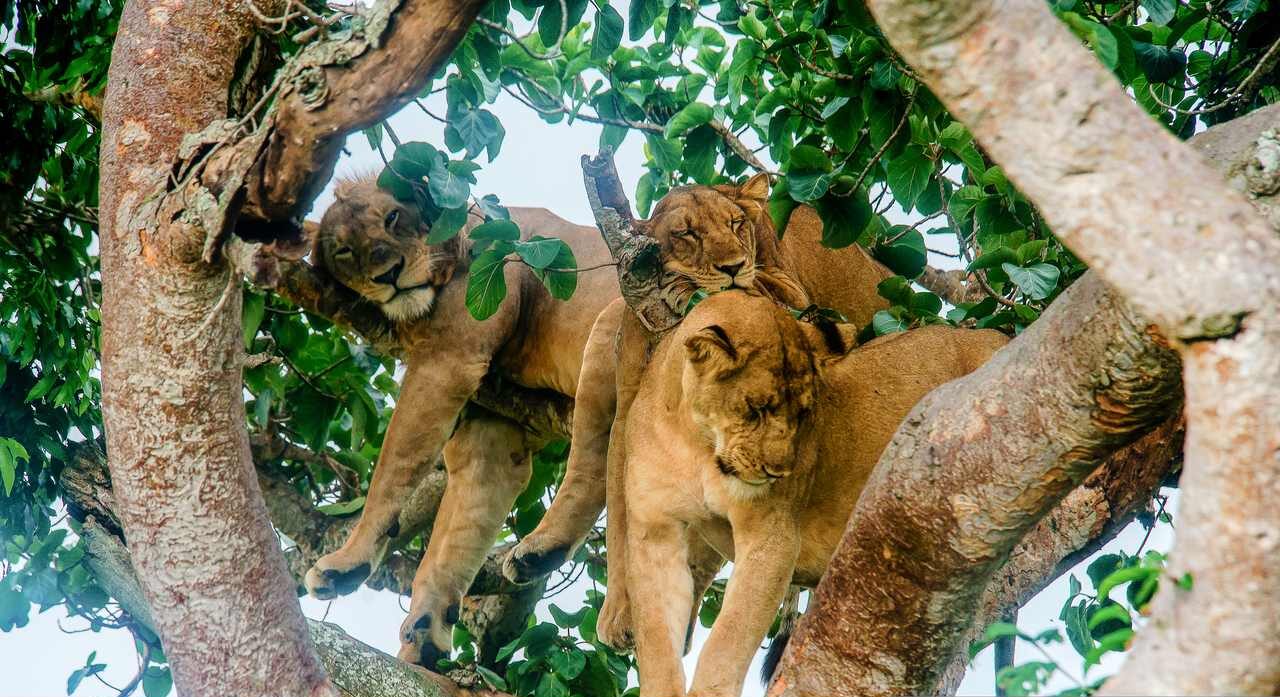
489 465
581 497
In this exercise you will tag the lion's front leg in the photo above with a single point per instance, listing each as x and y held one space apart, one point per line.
581 496
765 552
661 591
614 624
489 465
430 400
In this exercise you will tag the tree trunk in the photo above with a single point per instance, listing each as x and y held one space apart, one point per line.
172 403
1185 250
977 463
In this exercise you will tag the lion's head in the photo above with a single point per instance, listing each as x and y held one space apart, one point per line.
715 237
750 377
376 246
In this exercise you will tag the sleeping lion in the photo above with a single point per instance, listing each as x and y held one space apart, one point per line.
755 432
375 246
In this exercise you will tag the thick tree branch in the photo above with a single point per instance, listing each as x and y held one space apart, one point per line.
974 467
1193 256
639 264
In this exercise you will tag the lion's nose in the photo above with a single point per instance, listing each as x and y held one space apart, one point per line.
731 270
390 275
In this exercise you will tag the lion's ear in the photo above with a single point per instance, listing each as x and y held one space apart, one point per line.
832 338
755 189
301 244
710 348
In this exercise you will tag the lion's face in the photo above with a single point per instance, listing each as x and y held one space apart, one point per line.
707 234
750 381
374 245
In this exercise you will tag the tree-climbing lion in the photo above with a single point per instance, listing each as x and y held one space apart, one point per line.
374 245
755 432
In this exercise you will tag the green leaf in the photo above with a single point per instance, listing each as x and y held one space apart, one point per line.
1243 9
567 620
1160 64
1113 612
560 276
843 218
568 664
539 252
1037 281
641 14
885 322
447 225
608 34
156 682
495 230
665 152
693 115
342 508
477 129
752 27
448 189
491 678
906 256
8 467
1120 577
551 686
1160 11
808 173
486 284
781 205
251 316
908 175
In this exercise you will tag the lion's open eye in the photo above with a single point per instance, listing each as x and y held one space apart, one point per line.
737 223
392 216
343 254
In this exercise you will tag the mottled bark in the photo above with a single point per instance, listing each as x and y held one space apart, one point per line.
1154 221
1088 518
974 467
171 350
638 256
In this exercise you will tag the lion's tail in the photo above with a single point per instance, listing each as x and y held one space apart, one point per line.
790 615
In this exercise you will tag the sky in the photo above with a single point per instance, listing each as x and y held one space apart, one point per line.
538 166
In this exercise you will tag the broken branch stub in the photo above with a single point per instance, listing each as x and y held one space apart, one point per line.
638 255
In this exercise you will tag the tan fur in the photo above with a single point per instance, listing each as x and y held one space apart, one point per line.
751 434
796 270
532 340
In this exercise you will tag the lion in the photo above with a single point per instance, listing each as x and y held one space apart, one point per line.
755 433
705 236
374 245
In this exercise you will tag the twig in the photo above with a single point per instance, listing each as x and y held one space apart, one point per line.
554 51
1236 95
428 112
906 112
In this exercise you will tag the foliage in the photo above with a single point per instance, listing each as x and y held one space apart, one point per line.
714 89
1095 623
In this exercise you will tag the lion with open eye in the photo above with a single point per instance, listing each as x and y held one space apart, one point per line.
374 245
755 433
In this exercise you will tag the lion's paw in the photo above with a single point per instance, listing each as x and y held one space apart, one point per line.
330 577
530 560
425 636
613 626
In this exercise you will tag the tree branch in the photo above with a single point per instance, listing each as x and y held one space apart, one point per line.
974 467
1194 257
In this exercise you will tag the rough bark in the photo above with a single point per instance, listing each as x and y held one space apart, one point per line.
1088 518
975 466
1194 257
638 256
172 404
355 668
171 352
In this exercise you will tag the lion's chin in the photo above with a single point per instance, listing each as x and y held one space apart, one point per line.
409 305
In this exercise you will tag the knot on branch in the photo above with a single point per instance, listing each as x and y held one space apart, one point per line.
1262 174
312 87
